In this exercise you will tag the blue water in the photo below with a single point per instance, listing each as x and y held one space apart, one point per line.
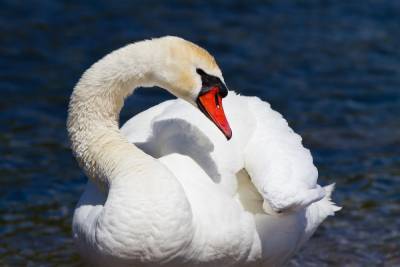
332 68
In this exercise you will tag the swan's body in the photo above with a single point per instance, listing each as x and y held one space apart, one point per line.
192 202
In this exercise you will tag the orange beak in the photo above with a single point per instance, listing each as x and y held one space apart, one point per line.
210 103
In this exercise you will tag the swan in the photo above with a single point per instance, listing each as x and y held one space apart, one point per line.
186 183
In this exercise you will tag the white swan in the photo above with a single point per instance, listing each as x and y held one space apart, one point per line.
192 203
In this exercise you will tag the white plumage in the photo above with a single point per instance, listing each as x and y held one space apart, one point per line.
199 200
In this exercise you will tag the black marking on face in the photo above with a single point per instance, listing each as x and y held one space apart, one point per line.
210 81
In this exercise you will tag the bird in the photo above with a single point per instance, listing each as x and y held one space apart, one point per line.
211 178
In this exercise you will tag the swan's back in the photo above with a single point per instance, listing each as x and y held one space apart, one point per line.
227 209
262 142
177 127
212 171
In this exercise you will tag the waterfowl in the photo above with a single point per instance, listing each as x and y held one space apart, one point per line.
187 183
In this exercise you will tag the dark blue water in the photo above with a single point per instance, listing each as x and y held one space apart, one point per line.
332 68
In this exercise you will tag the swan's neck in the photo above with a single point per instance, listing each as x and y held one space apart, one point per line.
93 120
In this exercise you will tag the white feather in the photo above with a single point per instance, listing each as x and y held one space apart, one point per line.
183 195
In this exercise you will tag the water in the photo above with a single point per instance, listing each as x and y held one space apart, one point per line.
332 68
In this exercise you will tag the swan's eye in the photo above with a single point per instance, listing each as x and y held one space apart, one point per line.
207 79
200 72
210 81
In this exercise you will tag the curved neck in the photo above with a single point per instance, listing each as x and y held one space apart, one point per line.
93 118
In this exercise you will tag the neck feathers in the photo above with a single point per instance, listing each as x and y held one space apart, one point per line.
97 99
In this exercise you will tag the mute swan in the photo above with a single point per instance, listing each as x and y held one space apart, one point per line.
169 189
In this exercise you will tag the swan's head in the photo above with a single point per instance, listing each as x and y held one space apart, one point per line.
191 73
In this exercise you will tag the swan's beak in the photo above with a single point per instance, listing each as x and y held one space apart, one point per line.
210 103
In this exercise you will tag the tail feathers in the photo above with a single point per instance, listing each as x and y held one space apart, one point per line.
318 211
326 206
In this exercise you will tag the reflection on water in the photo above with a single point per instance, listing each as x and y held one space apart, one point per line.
332 68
